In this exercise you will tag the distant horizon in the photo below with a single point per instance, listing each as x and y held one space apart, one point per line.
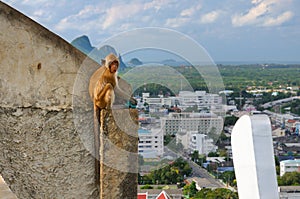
222 62
258 62
147 56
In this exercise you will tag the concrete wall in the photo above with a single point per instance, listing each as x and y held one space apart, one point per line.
42 154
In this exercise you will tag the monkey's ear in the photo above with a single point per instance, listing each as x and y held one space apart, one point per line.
102 61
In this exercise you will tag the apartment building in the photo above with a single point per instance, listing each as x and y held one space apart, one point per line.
201 99
201 143
185 99
289 166
151 143
194 141
203 123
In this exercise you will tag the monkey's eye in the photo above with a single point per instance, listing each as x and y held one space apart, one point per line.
115 62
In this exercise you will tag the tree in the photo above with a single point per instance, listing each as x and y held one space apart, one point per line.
187 170
223 153
230 120
190 190
195 156
220 193
228 177
289 179
212 154
168 138
170 174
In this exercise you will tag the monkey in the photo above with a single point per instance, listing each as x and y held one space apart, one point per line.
104 90
102 87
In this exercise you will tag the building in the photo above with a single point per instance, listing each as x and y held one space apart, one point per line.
201 143
289 192
204 101
151 143
185 99
289 166
203 123
159 194
194 141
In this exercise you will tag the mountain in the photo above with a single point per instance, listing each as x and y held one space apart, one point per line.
83 44
134 62
172 62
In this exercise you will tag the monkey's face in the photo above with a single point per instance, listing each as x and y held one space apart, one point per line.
114 67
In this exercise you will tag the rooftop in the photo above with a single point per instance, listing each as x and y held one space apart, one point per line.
291 161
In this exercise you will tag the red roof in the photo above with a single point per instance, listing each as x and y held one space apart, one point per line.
163 195
142 196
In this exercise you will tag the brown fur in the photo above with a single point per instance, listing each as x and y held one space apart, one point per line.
101 89
103 95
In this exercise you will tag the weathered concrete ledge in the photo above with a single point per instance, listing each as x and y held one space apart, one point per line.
43 153
118 178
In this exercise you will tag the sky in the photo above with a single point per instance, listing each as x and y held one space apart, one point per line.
229 30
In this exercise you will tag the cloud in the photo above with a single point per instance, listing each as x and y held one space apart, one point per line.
186 16
41 15
177 22
119 13
156 4
117 16
210 17
29 2
190 11
264 13
286 16
88 18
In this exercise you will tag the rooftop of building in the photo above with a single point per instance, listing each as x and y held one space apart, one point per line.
291 161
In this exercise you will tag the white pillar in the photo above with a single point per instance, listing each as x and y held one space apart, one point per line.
253 158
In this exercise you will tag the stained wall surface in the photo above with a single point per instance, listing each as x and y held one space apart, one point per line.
43 155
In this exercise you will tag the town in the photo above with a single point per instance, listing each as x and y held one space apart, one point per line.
193 129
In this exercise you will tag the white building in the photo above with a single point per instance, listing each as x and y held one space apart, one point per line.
201 143
194 141
151 143
203 123
185 99
200 98
289 166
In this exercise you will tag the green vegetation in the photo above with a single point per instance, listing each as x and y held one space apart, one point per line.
220 193
170 174
146 187
293 107
190 190
289 179
230 120
270 76
228 177
235 77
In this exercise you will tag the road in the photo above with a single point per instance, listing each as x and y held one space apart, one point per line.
203 178
199 174
276 102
